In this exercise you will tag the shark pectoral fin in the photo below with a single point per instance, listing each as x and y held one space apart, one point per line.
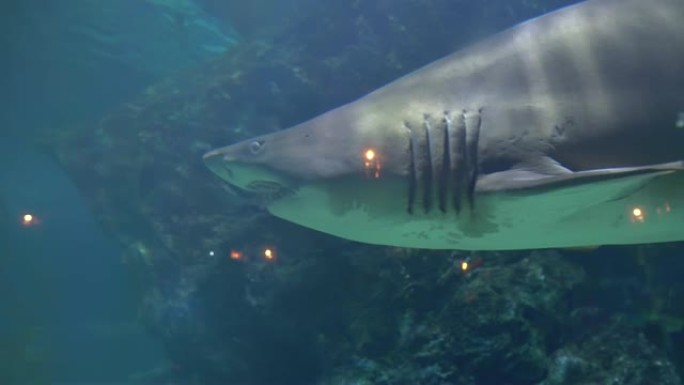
549 174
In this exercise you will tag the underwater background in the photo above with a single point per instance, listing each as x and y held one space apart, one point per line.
137 266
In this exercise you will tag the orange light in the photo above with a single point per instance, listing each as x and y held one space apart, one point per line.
28 220
269 254
235 255
638 214
464 265
372 164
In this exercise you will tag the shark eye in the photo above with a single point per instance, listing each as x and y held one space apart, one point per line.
255 146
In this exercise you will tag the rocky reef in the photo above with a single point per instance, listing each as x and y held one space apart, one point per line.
239 297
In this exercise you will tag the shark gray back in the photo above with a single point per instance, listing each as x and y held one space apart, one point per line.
562 131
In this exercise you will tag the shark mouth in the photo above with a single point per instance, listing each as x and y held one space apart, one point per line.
268 190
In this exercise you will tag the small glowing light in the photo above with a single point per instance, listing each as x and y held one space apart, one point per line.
638 214
211 253
464 265
28 220
235 255
268 254
371 163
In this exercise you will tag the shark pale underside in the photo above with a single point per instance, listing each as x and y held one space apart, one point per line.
563 131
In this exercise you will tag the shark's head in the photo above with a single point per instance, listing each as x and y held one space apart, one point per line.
324 149
342 173
246 165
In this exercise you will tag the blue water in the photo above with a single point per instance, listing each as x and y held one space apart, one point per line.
68 308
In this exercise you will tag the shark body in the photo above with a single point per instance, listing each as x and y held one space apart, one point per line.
563 131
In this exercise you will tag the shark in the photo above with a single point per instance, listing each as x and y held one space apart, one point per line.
563 131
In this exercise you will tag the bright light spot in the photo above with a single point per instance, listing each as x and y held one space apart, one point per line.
372 164
464 265
28 218
211 253
235 255
637 214
269 254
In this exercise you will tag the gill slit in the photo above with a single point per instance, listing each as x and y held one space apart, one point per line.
459 166
427 172
444 171
412 170
454 171
473 124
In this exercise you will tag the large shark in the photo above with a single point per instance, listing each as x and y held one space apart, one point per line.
564 131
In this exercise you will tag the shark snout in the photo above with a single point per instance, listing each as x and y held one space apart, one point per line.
220 164
218 154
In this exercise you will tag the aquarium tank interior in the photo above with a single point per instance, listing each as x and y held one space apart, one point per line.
335 192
